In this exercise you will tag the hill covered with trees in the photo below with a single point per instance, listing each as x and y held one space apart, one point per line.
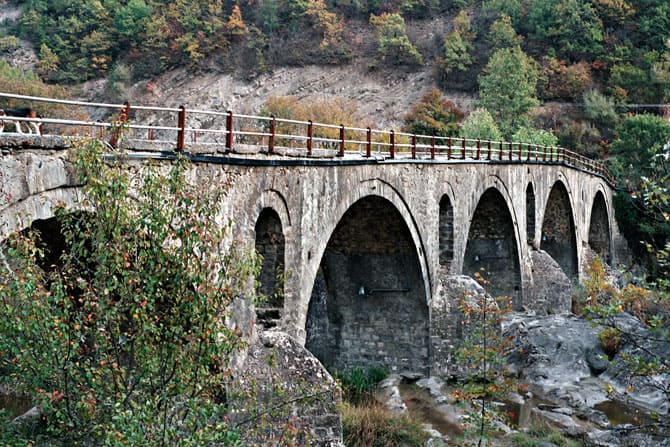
566 72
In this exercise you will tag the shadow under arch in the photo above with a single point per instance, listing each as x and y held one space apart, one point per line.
492 247
600 239
368 305
270 244
559 237
530 213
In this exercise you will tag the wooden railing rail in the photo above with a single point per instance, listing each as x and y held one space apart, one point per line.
228 131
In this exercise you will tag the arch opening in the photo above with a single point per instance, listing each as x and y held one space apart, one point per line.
530 214
599 231
446 232
270 245
558 230
368 305
491 249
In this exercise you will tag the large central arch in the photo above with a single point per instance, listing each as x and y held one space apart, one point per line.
492 247
368 304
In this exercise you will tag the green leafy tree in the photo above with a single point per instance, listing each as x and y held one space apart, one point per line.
654 25
638 145
535 136
480 124
613 12
458 45
507 88
131 22
639 160
123 341
498 8
433 115
576 28
502 34
600 109
394 45
48 62
456 53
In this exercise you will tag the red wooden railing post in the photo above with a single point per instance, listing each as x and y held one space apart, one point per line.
229 131
310 136
448 148
488 156
368 146
392 141
120 122
510 150
500 150
413 146
181 128
432 147
341 154
479 148
463 149
273 132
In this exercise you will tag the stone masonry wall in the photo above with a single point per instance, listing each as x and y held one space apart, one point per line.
386 322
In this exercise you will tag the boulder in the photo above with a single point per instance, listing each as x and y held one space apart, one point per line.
550 292
283 385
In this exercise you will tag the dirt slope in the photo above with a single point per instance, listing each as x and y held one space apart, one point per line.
384 95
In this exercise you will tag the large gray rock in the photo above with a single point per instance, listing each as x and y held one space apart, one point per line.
560 357
283 384
551 289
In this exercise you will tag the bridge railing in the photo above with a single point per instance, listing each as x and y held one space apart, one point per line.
229 132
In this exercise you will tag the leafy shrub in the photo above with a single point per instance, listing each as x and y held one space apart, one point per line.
535 136
357 383
124 340
8 43
562 81
394 46
433 115
480 124
610 339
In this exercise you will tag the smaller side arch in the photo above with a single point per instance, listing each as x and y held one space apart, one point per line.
530 213
270 243
600 239
446 232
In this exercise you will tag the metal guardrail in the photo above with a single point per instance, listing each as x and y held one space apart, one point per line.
226 131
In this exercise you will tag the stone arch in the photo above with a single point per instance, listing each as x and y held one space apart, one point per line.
368 305
42 206
492 248
446 232
270 244
530 213
599 228
558 230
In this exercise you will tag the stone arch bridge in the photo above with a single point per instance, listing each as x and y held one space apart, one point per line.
368 244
